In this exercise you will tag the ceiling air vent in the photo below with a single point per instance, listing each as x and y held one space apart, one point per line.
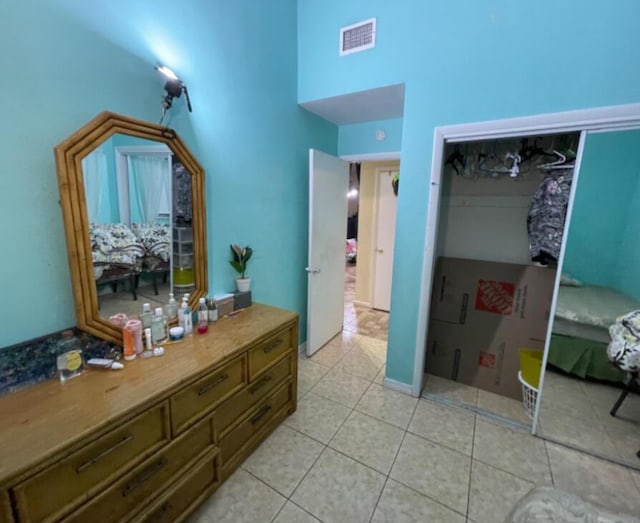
358 37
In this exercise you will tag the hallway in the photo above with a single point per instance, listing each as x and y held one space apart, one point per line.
359 319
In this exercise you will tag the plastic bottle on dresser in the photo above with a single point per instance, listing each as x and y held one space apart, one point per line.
213 309
69 362
128 343
181 309
136 328
146 316
158 327
203 316
188 318
172 308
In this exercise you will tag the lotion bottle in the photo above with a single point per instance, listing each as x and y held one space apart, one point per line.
188 319
158 327
172 308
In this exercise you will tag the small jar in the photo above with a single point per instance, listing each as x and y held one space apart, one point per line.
69 361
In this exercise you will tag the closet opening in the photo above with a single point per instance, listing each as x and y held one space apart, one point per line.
501 223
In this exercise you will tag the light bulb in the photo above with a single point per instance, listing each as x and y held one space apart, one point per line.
167 72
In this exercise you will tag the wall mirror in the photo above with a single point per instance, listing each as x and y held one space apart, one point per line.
600 282
132 198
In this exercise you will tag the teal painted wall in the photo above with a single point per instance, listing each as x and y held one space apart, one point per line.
606 197
65 61
628 252
360 138
464 61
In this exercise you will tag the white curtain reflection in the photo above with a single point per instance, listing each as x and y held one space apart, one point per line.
149 178
94 170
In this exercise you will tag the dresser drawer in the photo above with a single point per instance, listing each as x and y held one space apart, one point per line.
145 482
266 353
235 407
54 491
198 399
178 503
258 418
5 508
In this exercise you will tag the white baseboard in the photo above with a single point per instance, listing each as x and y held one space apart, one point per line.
398 386
302 348
363 303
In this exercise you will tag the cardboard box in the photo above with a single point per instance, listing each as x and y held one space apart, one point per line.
477 291
482 314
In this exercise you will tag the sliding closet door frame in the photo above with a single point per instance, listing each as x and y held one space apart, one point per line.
598 119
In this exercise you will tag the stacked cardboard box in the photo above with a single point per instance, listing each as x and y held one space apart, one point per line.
482 313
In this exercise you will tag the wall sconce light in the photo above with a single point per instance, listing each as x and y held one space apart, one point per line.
174 87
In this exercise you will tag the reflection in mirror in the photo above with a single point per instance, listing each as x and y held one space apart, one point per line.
138 200
600 282
132 199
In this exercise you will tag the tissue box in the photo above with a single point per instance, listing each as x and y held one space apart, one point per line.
224 302
241 300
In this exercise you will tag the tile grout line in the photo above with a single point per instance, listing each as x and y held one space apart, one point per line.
546 451
388 475
473 447
326 446
409 487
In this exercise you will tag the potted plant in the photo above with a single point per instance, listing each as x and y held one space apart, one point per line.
241 255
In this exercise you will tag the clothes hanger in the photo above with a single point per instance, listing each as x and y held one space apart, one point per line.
457 161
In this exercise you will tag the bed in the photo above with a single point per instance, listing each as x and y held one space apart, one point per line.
580 330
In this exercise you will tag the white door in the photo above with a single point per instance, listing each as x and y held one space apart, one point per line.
328 186
383 241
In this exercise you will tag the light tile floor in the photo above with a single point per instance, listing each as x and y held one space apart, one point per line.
576 412
355 451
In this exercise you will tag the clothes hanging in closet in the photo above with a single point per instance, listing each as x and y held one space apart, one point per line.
547 212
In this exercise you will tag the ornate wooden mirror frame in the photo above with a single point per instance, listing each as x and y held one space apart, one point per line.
69 155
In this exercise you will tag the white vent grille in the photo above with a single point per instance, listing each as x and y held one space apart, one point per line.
358 37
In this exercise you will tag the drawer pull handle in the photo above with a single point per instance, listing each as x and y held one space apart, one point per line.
161 512
103 454
213 384
260 384
145 476
261 414
273 345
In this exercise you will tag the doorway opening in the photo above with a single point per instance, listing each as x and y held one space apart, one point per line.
357 342
369 248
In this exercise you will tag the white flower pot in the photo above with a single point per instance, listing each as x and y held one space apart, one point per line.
243 284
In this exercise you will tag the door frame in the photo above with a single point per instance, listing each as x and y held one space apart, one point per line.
610 118
373 255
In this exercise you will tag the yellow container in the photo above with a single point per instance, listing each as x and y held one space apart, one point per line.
531 366
182 276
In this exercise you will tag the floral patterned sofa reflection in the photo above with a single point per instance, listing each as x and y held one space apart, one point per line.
121 253
155 238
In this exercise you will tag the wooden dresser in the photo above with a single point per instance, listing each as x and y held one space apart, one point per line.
152 441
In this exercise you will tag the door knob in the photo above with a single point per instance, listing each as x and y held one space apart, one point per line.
380 250
312 270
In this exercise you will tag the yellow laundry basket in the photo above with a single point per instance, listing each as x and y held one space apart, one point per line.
531 365
529 376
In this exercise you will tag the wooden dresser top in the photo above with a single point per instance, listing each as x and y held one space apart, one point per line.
39 421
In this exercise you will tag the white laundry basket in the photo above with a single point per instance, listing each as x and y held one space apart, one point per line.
529 396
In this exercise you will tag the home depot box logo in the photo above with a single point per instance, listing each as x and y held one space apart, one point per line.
495 296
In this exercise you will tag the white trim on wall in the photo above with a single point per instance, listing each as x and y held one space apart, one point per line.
371 157
397 385
611 118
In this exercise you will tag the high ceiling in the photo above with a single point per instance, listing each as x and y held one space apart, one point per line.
382 103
